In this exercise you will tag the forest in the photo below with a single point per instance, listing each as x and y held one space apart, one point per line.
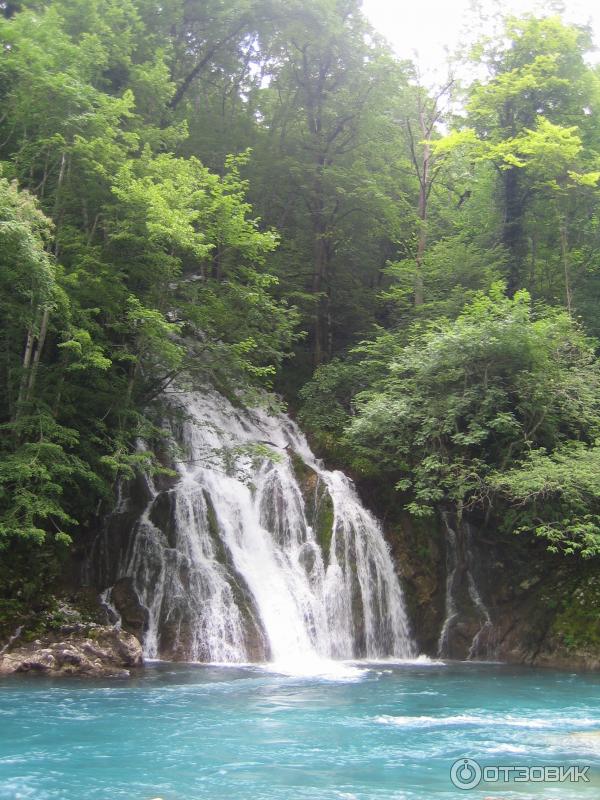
259 194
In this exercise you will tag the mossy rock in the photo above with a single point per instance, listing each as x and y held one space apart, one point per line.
323 521
318 503
305 475
578 622
214 530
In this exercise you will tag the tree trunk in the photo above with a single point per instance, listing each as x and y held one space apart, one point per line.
422 210
37 355
564 246
513 235
318 285
26 365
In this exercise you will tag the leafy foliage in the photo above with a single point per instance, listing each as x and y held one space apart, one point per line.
497 406
195 192
556 496
124 266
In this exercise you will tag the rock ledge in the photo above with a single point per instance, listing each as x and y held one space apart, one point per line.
86 650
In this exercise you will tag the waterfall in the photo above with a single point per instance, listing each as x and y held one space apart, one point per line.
464 605
255 552
451 611
483 641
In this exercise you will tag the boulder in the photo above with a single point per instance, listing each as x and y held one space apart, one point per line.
86 650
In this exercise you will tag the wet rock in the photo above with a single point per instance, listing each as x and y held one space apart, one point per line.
86 650
544 610
307 557
134 617
417 548
319 504
554 654
162 515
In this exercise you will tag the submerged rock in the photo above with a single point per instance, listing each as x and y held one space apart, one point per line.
87 650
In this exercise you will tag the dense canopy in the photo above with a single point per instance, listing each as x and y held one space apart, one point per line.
258 192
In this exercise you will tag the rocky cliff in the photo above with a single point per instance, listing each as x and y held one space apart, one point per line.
474 592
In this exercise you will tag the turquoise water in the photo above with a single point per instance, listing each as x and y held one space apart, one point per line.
185 733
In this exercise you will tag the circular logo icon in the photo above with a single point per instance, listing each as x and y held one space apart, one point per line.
466 773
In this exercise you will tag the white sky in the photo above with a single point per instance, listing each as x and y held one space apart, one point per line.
424 29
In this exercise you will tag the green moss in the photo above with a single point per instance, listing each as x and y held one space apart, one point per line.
324 518
318 502
51 614
13 614
578 623
11 610
302 471
214 530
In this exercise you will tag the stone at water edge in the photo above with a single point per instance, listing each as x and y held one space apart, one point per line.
87 650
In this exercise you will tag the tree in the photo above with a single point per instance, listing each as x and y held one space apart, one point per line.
537 77
428 114
325 115
132 267
28 290
36 455
556 497
461 415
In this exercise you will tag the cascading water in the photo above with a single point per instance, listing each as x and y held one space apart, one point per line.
256 552
464 605
451 610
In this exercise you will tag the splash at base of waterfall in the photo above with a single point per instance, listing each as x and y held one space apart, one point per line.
256 552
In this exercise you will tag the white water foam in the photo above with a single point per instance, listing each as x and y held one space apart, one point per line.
320 668
486 720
